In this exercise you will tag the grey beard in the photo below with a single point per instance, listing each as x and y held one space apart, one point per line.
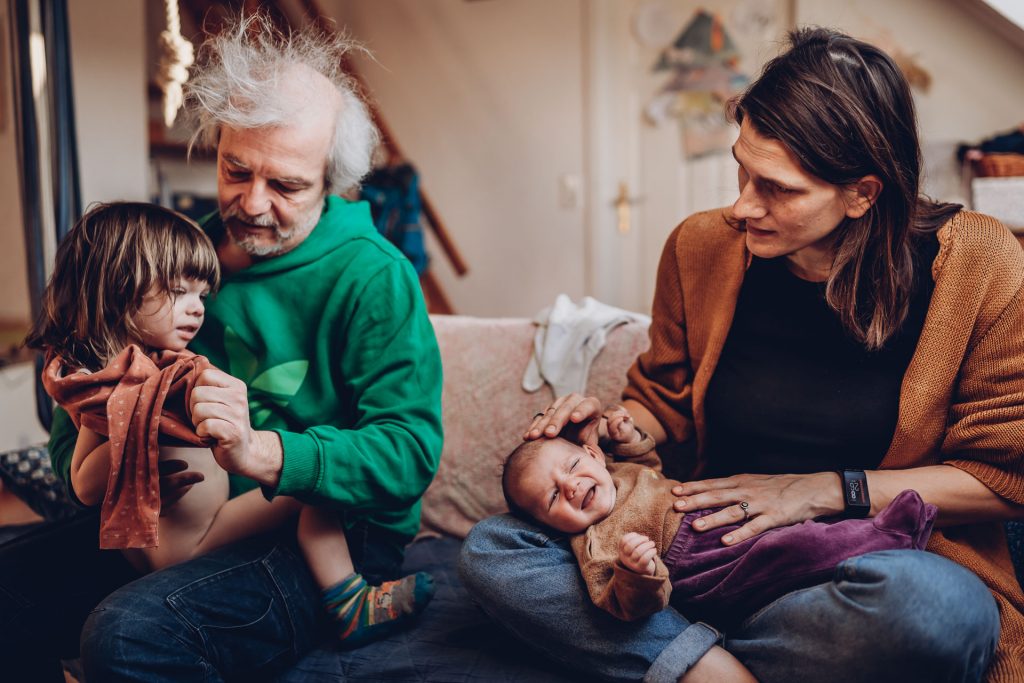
251 247
250 244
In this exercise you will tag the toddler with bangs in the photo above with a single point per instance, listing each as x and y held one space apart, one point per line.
637 554
125 299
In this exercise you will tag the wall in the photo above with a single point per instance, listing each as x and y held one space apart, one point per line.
19 425
14 306
977 85
486 99
108 69
490 100
977 80
109 66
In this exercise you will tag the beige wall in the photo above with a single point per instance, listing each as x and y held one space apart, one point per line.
110 90
106 38
977 76
486 99
109 64
14 304
19 425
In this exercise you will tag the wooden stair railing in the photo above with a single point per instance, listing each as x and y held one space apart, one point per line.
212 14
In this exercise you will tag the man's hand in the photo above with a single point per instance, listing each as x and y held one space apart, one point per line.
637 553
220 410
176 479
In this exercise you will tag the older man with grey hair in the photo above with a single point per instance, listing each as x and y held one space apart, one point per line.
330 381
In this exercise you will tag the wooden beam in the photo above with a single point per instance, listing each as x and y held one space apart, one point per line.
435 297
394 151
210 17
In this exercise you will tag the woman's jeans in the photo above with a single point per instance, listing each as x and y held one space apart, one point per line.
900 615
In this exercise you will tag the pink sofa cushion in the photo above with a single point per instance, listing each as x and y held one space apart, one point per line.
485 410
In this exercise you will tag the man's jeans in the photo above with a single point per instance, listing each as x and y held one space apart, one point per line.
895 615
245 612
242 612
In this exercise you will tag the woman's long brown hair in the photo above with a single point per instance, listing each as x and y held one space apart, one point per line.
103 269
845 111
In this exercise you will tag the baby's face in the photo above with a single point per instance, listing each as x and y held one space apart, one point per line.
566 487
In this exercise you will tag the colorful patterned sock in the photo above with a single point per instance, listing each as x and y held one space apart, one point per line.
365 613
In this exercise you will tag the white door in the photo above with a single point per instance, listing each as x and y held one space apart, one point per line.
627 152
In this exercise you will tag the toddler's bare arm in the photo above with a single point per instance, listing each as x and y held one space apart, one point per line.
90 466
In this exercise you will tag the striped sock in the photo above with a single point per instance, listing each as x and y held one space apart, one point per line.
365 613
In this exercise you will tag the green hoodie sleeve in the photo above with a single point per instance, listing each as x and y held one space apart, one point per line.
391 368
63 437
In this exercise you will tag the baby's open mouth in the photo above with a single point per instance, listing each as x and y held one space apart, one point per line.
588 497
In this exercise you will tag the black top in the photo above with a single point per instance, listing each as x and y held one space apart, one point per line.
793 392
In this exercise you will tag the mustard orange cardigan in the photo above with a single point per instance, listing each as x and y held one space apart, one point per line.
962 398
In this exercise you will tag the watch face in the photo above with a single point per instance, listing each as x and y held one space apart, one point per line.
855 492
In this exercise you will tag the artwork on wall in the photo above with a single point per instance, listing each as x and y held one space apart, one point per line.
711 58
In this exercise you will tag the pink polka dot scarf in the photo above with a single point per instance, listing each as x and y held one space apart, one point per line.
138 401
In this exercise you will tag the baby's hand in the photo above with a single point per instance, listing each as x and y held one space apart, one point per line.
637 553
620 425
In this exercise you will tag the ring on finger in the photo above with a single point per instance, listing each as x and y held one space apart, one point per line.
744 507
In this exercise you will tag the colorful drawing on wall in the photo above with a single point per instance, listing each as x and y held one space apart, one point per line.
702 65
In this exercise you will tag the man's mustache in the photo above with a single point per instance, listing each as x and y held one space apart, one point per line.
264 220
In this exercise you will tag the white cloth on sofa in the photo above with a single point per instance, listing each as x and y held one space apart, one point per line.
568 338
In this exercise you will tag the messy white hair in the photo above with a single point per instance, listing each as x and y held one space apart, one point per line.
236 84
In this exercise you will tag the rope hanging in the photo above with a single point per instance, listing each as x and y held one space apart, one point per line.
175 59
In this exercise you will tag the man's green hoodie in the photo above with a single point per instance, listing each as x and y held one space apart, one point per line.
334 343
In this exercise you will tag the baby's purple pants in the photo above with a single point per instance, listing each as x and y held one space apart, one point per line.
720 582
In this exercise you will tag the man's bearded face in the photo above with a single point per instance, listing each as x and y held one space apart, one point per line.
270 183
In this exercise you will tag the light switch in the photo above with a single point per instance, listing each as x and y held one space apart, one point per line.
569 185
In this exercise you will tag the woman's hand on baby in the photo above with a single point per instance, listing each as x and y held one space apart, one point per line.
637 553
576 415
772 500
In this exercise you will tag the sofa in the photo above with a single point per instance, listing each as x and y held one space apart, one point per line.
485 412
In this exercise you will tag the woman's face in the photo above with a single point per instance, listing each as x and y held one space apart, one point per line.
787 211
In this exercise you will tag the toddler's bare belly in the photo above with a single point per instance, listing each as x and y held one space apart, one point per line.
183 524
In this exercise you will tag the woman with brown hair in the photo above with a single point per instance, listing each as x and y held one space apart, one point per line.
831 340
